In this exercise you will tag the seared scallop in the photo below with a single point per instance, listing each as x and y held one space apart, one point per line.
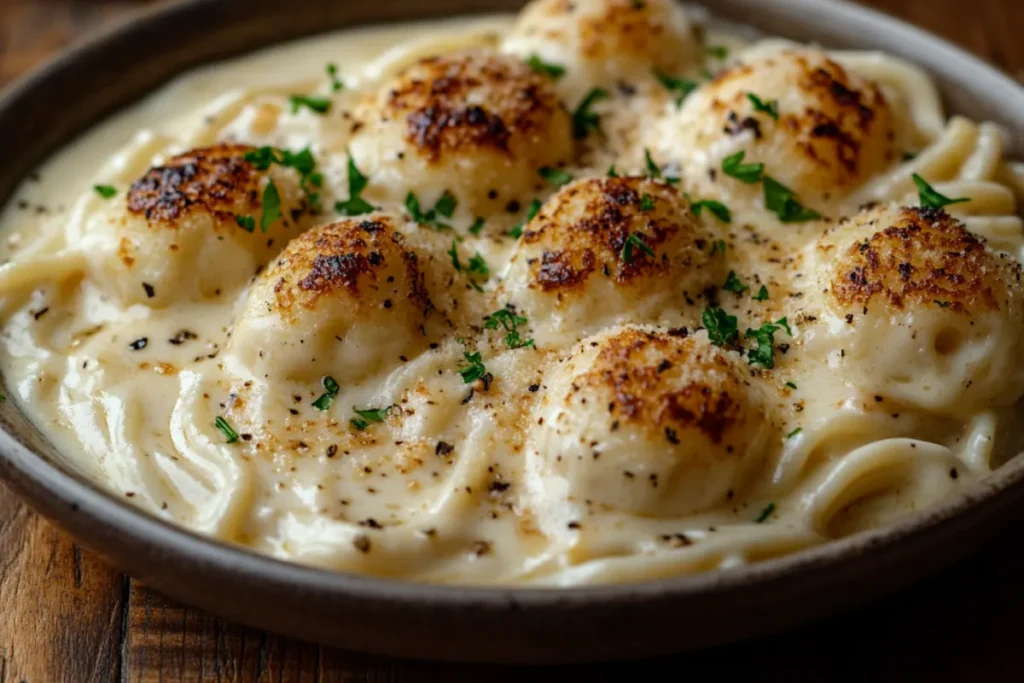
918 309
475 124
604 43
345 299
609 250
819 130
647 422
197 227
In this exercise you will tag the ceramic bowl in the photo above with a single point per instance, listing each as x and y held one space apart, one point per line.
119 66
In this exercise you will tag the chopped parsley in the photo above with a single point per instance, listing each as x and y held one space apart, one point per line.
771 107
584 121
444 206
733 284
718 246
507 318
476 368
720 325
229 434
764 354
717 209
784 324
717 51
320 105
554 176
105 191
794 432
682 87
790 385
766 513
477 226
782 201
531 213
734 167
612 173
647 203
932 199
477 266
454 253
363 418
271 206
654 171
555 71
635 240
332 74
355 205
247 223
331 389
302 161
762 294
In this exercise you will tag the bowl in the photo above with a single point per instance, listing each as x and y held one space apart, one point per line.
449 622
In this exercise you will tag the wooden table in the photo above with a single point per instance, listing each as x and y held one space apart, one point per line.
65 616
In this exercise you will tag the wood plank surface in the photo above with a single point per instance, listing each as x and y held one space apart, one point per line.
65 616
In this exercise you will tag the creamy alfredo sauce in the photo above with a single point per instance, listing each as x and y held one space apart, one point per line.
327 404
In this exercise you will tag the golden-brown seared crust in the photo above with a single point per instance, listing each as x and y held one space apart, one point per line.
841 114
667 382
212 180
363 260
456 103
584 228
925 258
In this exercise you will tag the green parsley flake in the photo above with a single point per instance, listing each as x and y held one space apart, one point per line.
784 324
585 121
719 246
454 253
647 203
365 417
229 434
782 201
331 389
271 206
510 321
555 177
555 71
733 284
794 432
762 294
302 161
517 230
612 173
932 199
355 205
766 513
320 105
476 368
332 74
247 223
771 108
720 325
717 51
654 171
734 167
105 191
716 209
634 240
477 266
477 226
445 206
682 87
790 385
764 354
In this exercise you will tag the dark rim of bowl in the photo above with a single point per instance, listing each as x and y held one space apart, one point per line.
51 488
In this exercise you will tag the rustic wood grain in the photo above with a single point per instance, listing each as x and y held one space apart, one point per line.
65 616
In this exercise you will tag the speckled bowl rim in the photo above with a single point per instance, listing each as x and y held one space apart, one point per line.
142 544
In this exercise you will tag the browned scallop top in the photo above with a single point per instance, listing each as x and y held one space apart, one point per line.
472 100
583 231
926 258
361 260
839 116
667 382
213 180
